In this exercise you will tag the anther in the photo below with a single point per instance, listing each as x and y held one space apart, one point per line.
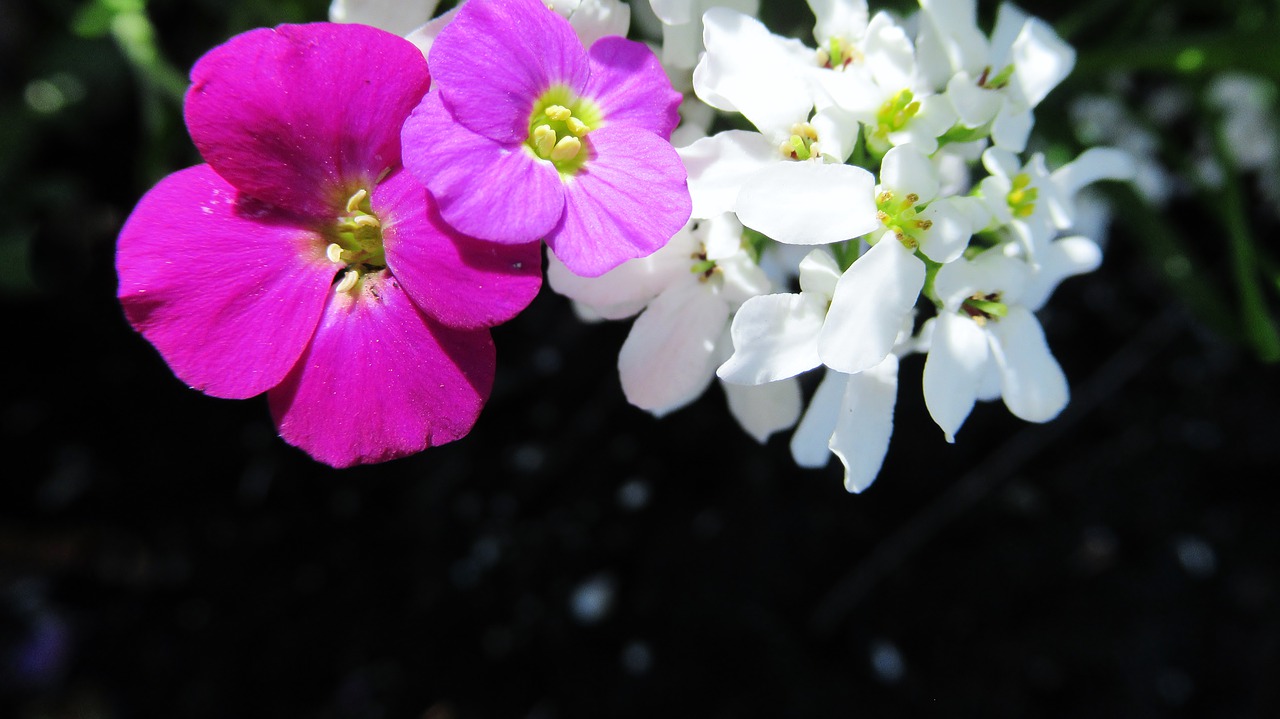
566 149
365 221
558 113
334 253
924 224
353 203
577 127
911 199
882 216
348 281
544 140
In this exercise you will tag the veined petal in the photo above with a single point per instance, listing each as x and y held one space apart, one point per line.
495 192
1032 382
381 380
808 203
774 337
871 300
496 58
865 423
394 16
458 280
304 151
631 88
810 445
718 165
669 357
627 201
953 370
229 290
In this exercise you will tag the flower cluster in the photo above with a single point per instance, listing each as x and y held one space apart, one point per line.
362 220
861 187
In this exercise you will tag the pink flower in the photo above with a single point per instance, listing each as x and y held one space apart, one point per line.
302 261
527 135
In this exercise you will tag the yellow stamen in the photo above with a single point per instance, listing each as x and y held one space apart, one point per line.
365 221
353 203
566 149
334 253
577 127
559 113
348 281
544 140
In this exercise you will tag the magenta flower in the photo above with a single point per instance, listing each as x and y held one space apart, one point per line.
302 261
526 135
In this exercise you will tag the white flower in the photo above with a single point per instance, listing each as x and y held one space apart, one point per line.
685 294
1037 204
776 337
997 82
594 19
682 27
985 340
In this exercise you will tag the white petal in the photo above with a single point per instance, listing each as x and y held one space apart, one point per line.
953 370
394 16
949 235
1011 127
1094 164
868 307
766 408
989 272
1009 21
669 357
631 285
754 71
808 203
774 337
425 35
594 19
975 106
717 166
673 12
950 40
819 273
1001 163
1042 60
1063 258
740 280
845 19
1032 382
810 445
905 169
837 132
865 423
890 56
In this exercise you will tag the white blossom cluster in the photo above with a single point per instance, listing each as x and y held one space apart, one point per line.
859 186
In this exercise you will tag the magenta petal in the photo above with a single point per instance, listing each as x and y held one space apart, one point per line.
303 115
381 380
500 193
630 86
495 59
458 280
229 291
629 199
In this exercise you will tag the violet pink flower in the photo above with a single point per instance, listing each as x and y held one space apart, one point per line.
528 136
304 262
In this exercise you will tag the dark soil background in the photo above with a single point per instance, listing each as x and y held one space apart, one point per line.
163 554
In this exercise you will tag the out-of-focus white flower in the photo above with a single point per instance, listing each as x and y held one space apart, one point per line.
594 19
397 16
1101 119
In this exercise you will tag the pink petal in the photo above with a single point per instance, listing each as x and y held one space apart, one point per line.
630 86
628 199
496 192
303 115
227 289
460 281
495 59
381 380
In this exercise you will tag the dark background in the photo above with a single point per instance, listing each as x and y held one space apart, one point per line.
163 554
